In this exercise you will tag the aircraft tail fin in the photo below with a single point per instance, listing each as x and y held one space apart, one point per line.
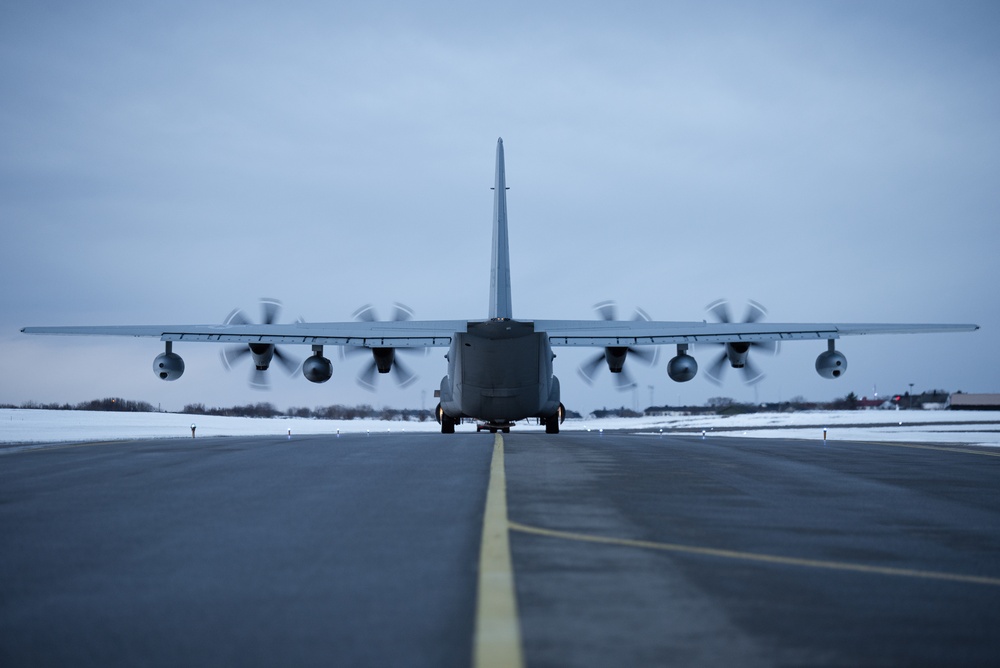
500 306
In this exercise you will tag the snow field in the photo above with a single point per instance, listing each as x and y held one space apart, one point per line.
19 426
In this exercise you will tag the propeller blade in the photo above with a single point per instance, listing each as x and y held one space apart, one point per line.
232 354
720 309
366 378
402 373
752 373
590 366
401 312
715 371
291 363
769 347
259 380
640 315
269 308
643 353
353 351
237 317
366 313
606 310
624 380
755 312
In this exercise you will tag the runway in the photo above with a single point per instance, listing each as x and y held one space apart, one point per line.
626 550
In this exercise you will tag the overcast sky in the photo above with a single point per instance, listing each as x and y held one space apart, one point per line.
837 162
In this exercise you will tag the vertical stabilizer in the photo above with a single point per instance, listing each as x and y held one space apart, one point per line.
500 270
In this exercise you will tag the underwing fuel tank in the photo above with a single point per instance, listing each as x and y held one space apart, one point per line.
502 370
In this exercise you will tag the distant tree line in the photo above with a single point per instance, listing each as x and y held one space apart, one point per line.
264 409
615 412
335 412
108 404
729 406
116 404
849 402
260 410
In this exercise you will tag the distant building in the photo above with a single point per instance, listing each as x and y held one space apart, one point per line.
930 400
974 402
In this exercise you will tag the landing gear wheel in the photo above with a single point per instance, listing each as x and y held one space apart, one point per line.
552 424
447 424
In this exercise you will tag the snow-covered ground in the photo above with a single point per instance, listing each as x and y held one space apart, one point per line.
969 427
965 427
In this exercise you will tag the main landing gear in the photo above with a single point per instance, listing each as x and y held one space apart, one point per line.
448 424
553 421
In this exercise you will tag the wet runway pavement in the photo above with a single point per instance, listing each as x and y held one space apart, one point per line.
627 550
746 552
316 551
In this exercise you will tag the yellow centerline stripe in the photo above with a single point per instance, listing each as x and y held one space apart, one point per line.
762 558
497 640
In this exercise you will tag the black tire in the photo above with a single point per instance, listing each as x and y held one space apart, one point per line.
447 424
552 425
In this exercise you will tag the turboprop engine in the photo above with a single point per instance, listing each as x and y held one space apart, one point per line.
262 354
737 354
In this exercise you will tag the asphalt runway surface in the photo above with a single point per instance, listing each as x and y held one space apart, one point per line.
626 550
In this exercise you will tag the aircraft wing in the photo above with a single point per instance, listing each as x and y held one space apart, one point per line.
391 334
438 333
608 333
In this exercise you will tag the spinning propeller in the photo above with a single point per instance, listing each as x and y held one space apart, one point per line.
383 360
736 354
261 353
614 357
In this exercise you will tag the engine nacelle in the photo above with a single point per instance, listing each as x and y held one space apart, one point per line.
831 364
168 366
317 369
384 357
262 353
682 368
615 357
737 353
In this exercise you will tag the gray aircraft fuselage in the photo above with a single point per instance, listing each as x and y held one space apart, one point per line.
500 371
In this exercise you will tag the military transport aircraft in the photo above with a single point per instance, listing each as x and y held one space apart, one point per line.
500 368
